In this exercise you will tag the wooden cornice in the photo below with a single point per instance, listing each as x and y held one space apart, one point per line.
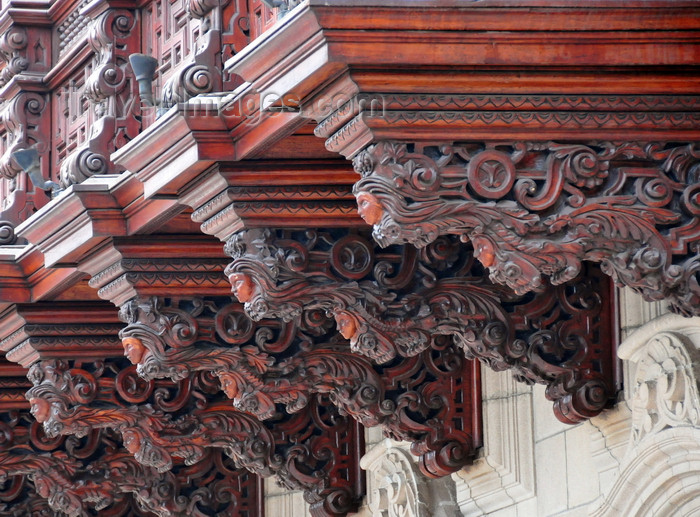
125 268
53 330
77 221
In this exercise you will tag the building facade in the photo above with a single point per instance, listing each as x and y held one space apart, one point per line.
350 257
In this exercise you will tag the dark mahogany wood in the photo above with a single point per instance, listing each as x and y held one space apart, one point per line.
395 302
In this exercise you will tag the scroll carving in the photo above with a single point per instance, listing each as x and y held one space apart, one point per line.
290 365
535 209
202 75
13 53
24 120
74 476
73 401
394 303
111 92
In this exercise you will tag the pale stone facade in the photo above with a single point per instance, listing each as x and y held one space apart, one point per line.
640 459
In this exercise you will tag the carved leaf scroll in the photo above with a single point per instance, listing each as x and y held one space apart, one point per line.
263 366
538 209
395 302
182 423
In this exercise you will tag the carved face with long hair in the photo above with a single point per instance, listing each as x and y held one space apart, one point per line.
134 349
41 409
348 326
141 446
243 286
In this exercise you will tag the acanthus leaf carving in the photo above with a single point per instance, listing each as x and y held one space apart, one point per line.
535 209
290 365
158 438
388 309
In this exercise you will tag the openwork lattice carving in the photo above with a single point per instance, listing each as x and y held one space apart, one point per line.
166 425
76 476
394 302
541 208
291 364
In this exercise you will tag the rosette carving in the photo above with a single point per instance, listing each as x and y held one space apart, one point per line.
535 210
395 303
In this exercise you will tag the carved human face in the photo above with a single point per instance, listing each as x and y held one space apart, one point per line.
133 349
484 252
243 286
347 324
41 486
369 208
40 409
132 442
228 385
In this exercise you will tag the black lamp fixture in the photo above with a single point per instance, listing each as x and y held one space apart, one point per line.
144 68
28 159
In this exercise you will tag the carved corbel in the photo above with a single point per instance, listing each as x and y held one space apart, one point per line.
174 340
395 302
111 90
13 53
25 121
202 75
160 335
534 209
72 401
69 474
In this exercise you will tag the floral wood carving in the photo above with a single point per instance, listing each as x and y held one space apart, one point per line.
69 473
111 90
289 365
536 209
292 448
394 302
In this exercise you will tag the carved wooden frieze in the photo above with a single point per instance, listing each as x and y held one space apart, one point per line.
534 209
395 302
164 425
79 477
57 329
263 367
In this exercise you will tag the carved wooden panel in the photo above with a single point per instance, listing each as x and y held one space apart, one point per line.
263 367
394 302
165 424
535 209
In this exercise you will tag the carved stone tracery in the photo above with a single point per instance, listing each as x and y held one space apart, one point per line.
394 302
534 209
